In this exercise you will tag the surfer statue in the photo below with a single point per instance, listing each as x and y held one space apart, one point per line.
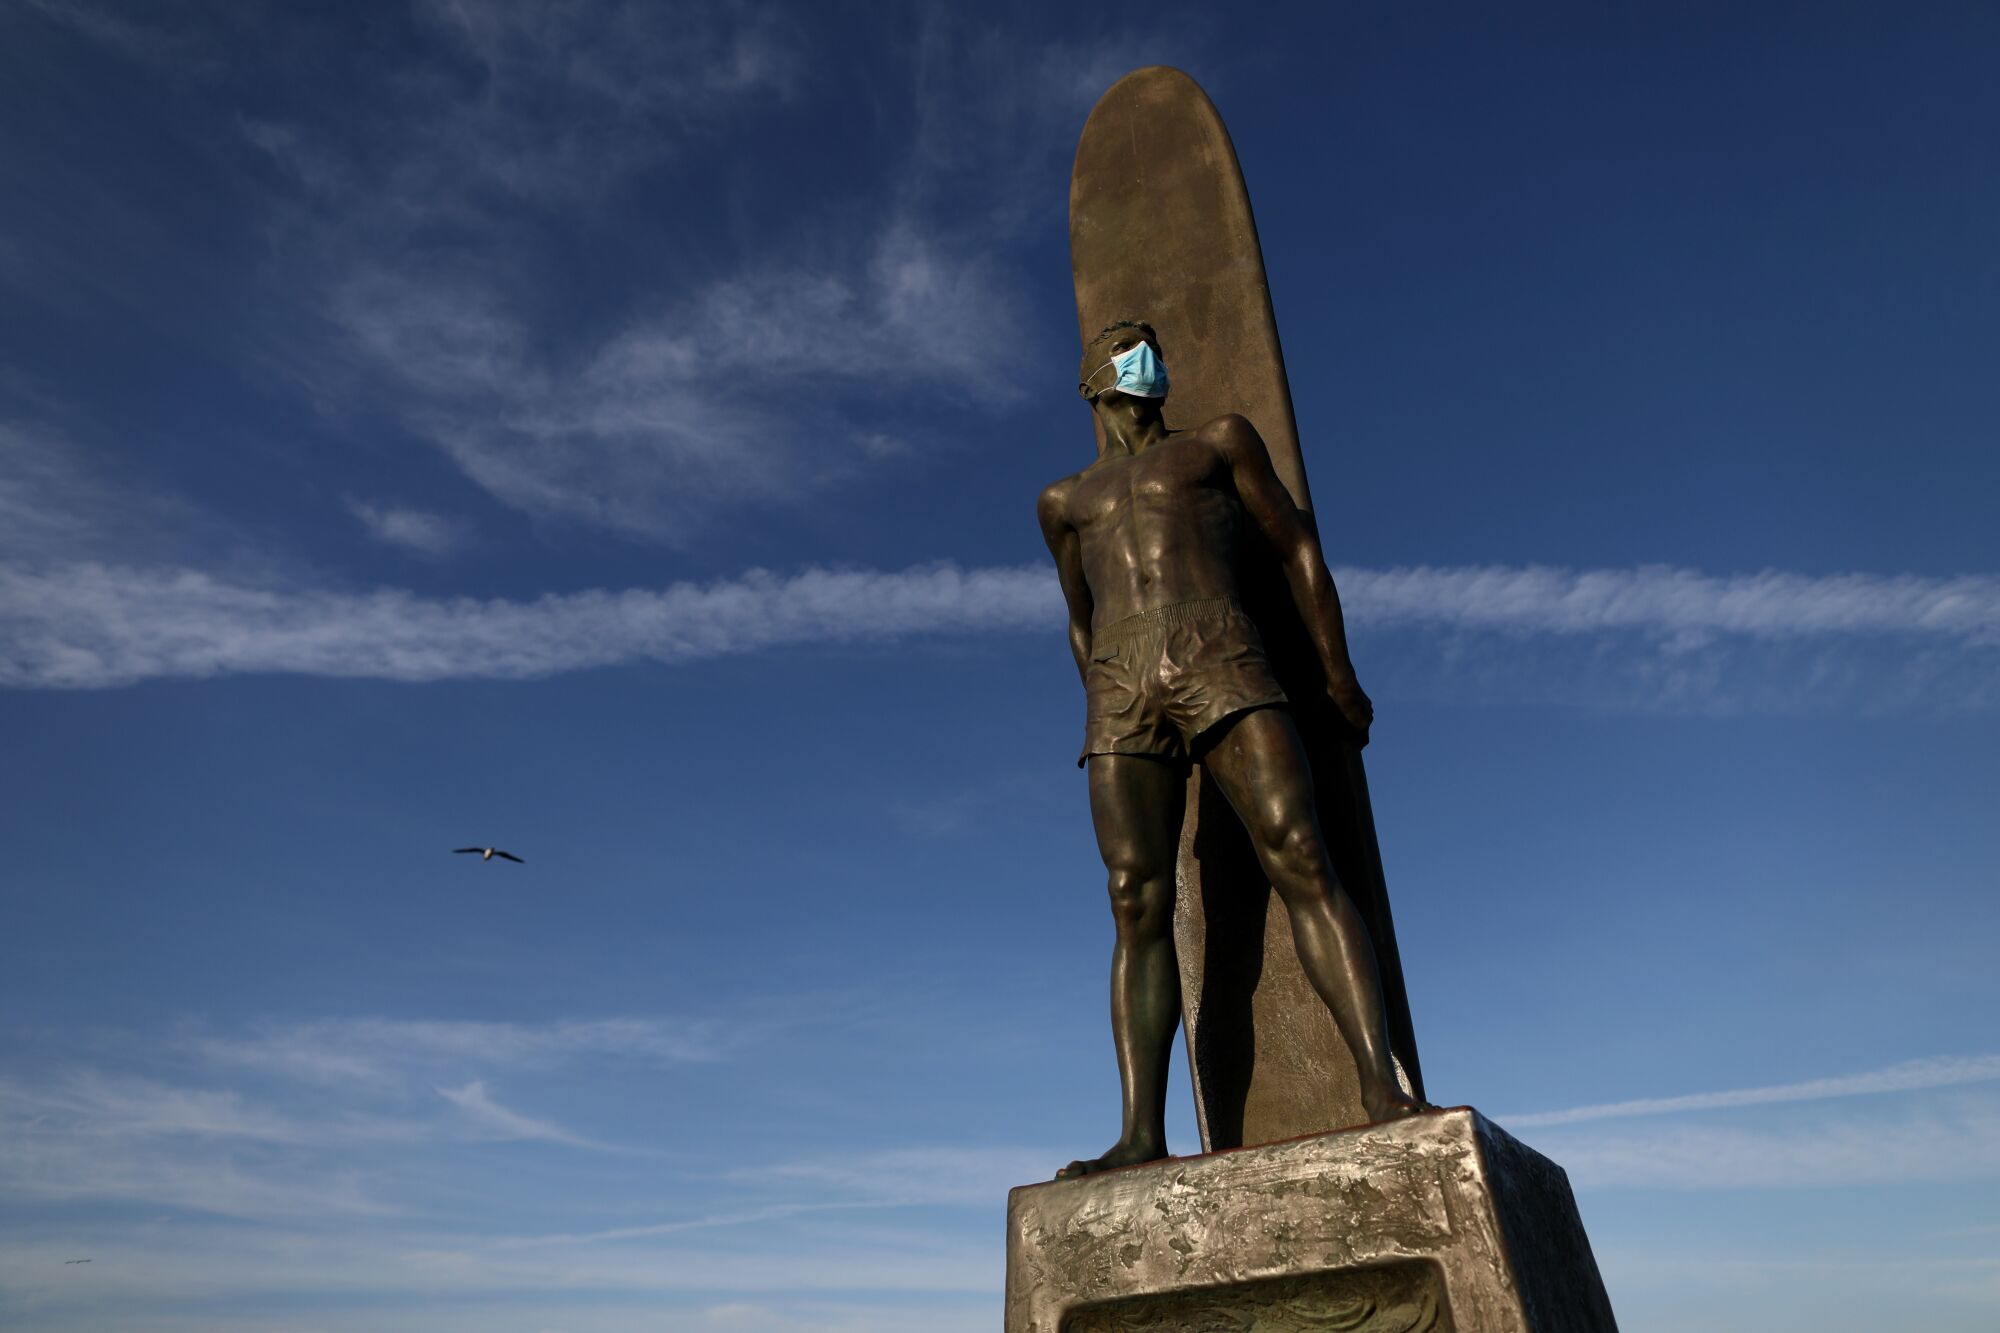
1146 542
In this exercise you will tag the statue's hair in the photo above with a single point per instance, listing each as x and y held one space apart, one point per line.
1116 325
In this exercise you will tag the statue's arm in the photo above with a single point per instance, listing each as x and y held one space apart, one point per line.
1067 548
1272 512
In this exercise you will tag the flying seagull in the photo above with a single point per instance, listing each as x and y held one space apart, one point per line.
76 1261
488 853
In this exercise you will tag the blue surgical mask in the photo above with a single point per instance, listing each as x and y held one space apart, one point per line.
1140 372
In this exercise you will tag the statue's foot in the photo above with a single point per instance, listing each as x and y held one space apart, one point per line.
1121 1154
1395 1106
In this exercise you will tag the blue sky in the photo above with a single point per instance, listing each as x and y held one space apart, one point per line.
611 432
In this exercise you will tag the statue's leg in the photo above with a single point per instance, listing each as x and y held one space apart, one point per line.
1136 804
1259 764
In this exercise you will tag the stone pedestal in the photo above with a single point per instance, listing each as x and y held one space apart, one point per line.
1440 1223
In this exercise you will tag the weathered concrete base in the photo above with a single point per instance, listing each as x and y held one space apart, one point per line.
1441 1223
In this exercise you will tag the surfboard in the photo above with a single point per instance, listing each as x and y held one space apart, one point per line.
1161 230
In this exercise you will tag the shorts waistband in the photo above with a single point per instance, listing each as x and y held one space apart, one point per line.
1173 613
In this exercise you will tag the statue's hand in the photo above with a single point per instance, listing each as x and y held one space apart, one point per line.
1354 705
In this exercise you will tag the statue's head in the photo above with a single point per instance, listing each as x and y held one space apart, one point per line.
1124 358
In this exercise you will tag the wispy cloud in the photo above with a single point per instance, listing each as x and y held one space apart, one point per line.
1661 599
1810 1144
142 1269
571 94
1911 1075
505 1123
918 1175
1008 143
91 1136
1957 1141
426 236
340 1198
941 809
230 1129
413 529
62 501
95 625
1662 639
385 1051
240 1182
734 1217
168 40
493 105
89 625
863 1181
88 1104
683 1307
655 427
207 1139
433 239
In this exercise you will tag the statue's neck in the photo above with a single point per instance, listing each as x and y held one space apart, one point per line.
1131 425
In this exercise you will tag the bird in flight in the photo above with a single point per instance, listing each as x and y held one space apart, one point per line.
76 1261
488 853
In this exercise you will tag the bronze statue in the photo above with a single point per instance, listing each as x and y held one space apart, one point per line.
1146 542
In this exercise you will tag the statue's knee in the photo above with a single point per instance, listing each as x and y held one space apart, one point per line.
1295 854
1140 896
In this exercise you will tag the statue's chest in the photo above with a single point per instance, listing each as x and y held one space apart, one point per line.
1162 481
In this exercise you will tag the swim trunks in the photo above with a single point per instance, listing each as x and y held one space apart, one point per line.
1158 680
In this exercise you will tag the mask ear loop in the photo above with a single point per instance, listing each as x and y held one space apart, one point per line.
1090 394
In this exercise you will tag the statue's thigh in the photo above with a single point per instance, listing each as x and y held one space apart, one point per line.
1260 765
1136 804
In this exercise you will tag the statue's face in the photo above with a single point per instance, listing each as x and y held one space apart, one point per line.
1097 357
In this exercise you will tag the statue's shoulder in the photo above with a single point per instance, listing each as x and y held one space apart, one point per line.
1052 506
1060 489
1231 430
1229 438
